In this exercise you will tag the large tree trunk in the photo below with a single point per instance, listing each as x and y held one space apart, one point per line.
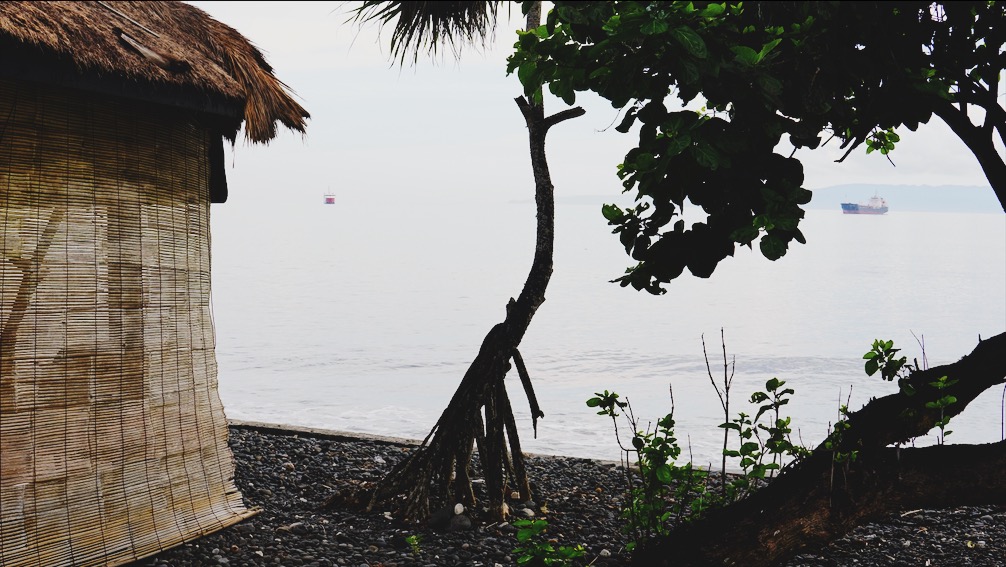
818 500
440 468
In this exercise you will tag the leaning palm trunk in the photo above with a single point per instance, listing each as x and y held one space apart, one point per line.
480 414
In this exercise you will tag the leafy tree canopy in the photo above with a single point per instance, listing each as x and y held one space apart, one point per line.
803 72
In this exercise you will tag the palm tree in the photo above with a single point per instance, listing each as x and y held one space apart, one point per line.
479 414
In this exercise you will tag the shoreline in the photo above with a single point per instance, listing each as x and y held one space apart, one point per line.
340 435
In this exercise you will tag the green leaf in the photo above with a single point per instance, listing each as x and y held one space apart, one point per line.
872 366
525 72
593 402
771 85
712 10
767 48
612 212
664 473
677 144
706 156
654 27
691 41
600 72
644 161
746 55
611 26
745 235
691 72
772 247
572 15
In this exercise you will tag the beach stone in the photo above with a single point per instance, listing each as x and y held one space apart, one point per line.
576 511
439 518
459 523
506 528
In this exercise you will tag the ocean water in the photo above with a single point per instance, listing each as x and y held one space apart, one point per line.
364 317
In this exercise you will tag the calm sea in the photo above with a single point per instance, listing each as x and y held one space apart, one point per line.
363 317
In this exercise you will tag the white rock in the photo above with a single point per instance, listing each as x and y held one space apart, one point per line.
459 508
605 553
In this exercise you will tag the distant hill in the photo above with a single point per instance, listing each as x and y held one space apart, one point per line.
920 198
917 198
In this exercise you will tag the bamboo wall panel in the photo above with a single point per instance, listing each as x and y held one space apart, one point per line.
113 440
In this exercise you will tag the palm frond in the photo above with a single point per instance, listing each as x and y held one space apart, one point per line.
426 26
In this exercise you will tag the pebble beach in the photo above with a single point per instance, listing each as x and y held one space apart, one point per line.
290 474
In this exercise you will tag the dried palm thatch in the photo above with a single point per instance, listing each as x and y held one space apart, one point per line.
113 440
425 26
168 52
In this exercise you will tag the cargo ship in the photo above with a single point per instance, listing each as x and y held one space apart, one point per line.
876 206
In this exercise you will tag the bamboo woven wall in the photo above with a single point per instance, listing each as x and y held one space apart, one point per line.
113 441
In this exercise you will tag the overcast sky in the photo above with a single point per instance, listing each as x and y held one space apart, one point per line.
449 128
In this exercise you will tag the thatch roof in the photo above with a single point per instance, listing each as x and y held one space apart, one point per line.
166 52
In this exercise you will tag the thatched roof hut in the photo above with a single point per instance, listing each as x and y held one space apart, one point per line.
113 441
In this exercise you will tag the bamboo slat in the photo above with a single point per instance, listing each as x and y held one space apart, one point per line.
113 440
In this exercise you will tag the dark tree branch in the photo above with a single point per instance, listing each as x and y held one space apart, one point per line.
995 114
532 400
856 143
983 149
898 418
794 513
564 115
545 123
807 505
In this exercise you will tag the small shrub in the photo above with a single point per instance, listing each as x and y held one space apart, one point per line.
537 550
